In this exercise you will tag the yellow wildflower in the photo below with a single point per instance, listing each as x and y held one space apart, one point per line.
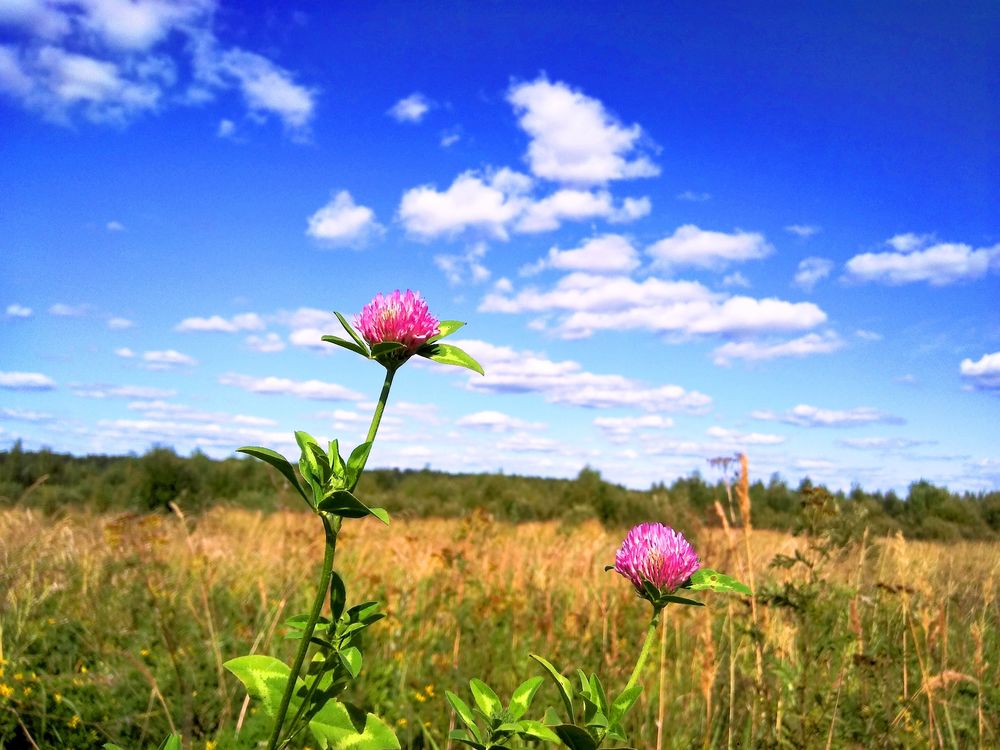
74 722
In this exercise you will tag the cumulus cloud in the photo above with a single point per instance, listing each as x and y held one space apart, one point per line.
496 421
16 310
464 268
343 222
566 382
914 259
167 359
411 108
217 323
574 139
26 381
811 271
756 351
804 415
984 373
570 204
692 246
608 253
266 344
589 302
275 386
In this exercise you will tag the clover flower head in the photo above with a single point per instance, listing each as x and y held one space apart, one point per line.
654 553
402 318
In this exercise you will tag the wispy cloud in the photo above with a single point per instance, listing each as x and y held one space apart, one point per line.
757 351
805 415
167 359
803 230
811 271
216 323
276 386
496 421
412 108
16 310
26 381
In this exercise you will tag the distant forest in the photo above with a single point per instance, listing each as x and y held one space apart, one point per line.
54 482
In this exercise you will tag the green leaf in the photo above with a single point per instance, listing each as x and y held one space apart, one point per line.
447 354
352 333
536 729
350 657
564 685
341 726
337 462
355 464
112 746
681 600
464 713
445 328
383 348
459 736
279 462
344 503
347 345
623 703
520 701
599 696
338 595
264 678
711 580
173 742
486 699
574 737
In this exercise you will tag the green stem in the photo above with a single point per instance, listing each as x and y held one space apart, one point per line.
646 645
377 416
331 528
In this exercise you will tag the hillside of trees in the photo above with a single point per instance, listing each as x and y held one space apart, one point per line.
54 482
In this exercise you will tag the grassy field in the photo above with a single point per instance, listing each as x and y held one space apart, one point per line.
115 628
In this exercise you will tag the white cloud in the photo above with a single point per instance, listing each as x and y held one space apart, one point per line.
694 197
269 89
805 415
464 268
310 338
120 391
159 409
267 343
114 226
343 222
26 381
216 323
35 16
915 261
234 431
866 335
736 279
691 246
803 230
882 443
566 382
18 311
139 24
226 129
740 439
573 138
167 359
608 253
411 109
548 213
756 351
24 415
621 429
811 271
449 139
63 310
984 373
273 386
119 324
124 352
495 421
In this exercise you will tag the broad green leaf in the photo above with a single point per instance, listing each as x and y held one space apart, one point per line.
308 465
711 580
264 678
344 503
341 726
173 742
623 703
338 595
445 328
352 333
536 729
459 736
584 683
350 657
383 348
486 699
520 701
299 622
464 713
280 463
574 737
356 463
346 344
364 612
681 600
337 462
597 691
447 354
565 688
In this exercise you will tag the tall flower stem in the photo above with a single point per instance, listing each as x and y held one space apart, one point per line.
380 406
331 527
646 646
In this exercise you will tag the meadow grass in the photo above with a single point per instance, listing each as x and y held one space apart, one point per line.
115 628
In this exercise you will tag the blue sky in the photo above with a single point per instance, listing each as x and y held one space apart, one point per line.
675 232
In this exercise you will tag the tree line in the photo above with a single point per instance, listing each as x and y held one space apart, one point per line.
55 482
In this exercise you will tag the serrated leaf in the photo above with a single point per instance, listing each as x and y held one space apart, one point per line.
352 333
279 462
464 713
341 726
356 463
351 658
520 701
447 354
344 503
575 738
712 580
338 595
564 685
445 328
485 698
350 345
623 703
264 677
